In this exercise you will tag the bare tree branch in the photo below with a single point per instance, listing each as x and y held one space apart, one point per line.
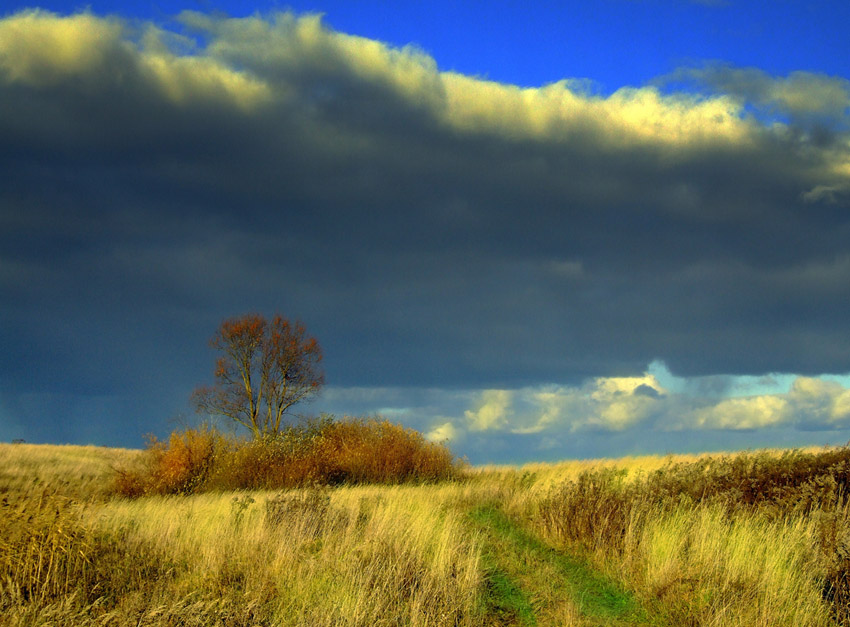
264 369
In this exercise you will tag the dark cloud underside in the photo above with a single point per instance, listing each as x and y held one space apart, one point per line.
430 229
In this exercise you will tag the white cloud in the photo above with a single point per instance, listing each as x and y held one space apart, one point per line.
38 47
808 93
616 404
604 403
800 94
251 61
740 413
284 46
492 412
560 111
622 402
445 432
182 79
549 418
819 403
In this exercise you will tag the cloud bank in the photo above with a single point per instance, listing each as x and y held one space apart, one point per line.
656 412
642 403
540 246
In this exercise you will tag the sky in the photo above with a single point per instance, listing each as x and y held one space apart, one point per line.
567 231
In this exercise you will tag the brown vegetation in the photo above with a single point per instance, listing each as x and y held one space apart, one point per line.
264 368
320 452
607 513
738 540
300 558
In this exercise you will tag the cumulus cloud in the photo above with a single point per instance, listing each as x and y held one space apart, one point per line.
601 404
298 59
740 413
41 49
603 415
619 404
491 413
815 103
819 404
445 432
560 111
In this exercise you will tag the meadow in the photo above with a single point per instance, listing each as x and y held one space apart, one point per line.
97 536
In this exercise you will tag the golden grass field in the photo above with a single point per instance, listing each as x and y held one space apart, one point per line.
740 539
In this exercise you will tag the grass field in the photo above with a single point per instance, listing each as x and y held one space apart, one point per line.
758 538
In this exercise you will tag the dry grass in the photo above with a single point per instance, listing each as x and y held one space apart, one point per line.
75 471
350 556
748 539
539 477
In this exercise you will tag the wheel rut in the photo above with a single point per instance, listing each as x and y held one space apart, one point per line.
530 583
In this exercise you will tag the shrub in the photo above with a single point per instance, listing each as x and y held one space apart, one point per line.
320 451
793 480
178 466
377 451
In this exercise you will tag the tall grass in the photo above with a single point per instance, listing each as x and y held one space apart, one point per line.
750 539
746 539
314 557
74 471
707 567
351 556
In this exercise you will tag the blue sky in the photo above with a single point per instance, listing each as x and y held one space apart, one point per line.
572 230
613 43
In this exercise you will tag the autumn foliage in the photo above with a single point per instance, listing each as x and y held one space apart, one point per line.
322 451
264 368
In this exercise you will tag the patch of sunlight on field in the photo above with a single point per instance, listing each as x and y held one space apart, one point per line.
743 570
346 556
540 476
79 471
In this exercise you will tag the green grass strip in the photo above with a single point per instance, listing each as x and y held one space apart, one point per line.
506 603
596 596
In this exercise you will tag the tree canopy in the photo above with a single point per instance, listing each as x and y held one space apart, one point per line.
264 368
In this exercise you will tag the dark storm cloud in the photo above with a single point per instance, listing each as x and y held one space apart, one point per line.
430 228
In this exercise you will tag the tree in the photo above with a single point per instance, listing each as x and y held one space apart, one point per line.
264 369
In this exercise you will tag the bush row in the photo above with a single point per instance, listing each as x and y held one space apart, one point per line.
322 451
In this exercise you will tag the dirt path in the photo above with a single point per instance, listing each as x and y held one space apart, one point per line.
529 583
